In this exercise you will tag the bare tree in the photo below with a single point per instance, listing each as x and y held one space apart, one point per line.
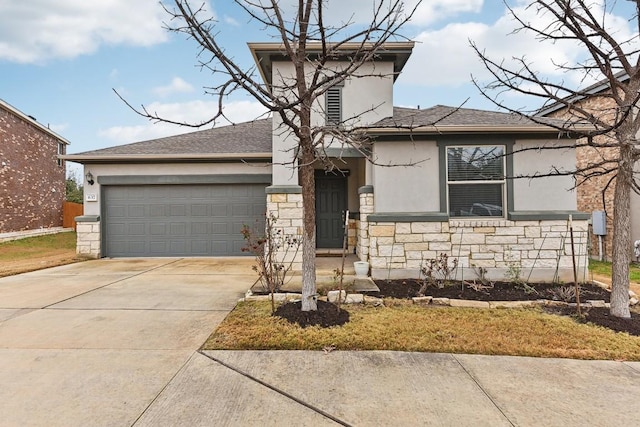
310 45
610 58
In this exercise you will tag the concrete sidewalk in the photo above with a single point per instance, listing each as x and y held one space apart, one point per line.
376 388
115 343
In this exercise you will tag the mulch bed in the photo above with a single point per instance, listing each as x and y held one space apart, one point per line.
500 291
328 315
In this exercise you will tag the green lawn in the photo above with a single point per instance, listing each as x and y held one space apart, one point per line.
604 267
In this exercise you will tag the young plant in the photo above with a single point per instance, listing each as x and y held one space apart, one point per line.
514 269
482 284
437 272
274 252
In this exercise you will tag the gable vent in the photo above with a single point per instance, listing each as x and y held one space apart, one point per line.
334 105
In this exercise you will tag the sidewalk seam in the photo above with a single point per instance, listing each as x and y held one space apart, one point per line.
163 389
277 390
485 392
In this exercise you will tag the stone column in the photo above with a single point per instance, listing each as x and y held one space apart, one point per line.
88 241
366 208
284 203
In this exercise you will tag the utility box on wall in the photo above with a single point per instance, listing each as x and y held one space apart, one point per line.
599 223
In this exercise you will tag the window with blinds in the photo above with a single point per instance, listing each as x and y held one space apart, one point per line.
333 105
476 180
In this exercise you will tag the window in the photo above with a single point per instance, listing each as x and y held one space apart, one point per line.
60 152
476 180
333 107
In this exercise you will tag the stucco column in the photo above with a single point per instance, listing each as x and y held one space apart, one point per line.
366 208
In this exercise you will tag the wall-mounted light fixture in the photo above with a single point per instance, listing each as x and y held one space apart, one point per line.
89 177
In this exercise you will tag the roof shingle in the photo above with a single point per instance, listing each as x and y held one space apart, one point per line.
243 138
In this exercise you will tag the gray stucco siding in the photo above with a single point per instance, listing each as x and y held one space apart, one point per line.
411 181
548 193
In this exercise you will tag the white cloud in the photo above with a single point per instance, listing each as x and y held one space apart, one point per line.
229 20
192 112
361 11
35 31
59 127
177 85
444 57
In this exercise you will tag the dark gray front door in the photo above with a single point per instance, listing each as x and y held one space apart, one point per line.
331 203
179 220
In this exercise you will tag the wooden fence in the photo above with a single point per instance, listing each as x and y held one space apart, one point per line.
70 211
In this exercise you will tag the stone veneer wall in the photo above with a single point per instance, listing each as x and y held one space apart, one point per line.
88 240
362 225
398 249
287 209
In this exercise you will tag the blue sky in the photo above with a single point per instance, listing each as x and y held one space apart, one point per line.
61 59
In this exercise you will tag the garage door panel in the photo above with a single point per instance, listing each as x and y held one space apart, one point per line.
200 210
158 248
241 209
180 220
178 210
157 211
199 247
219 210
158 229
135 211
199 228
136 229
178 229
219 228
117 211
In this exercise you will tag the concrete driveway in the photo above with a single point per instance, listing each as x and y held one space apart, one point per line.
94 343
114 343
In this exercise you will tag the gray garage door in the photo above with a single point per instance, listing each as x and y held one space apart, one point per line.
179 220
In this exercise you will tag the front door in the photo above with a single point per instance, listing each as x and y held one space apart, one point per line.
331 204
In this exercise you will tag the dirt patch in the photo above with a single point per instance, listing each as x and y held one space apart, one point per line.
11 267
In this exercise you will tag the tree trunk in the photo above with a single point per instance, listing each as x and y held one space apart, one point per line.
308 184
622 235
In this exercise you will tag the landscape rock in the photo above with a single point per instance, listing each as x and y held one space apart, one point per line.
354 299
512 304
440 301
332 296
422 300
596 303
376 302
468 303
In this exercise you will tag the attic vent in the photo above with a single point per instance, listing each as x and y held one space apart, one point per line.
334 105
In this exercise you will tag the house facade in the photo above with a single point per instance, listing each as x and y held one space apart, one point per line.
431 181
597 192
32 176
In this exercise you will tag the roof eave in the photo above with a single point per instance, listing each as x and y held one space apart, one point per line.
30 120
173 158
438 130
260 50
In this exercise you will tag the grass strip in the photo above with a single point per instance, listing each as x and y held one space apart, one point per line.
403 326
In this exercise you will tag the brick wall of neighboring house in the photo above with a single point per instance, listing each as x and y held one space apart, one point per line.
32 181
595 193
